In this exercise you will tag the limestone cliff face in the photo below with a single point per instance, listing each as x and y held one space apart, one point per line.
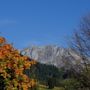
51 54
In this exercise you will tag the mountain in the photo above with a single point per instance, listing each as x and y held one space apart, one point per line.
52 54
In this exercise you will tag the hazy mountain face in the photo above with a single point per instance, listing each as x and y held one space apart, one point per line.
51 55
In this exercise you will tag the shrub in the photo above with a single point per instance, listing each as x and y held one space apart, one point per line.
51 83
70 84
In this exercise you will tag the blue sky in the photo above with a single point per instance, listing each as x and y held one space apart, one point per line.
40 22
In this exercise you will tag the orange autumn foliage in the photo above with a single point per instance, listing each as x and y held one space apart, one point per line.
12 66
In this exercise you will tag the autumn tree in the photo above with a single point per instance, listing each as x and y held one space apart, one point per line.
12 66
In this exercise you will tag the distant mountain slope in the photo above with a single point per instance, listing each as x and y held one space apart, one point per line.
51 54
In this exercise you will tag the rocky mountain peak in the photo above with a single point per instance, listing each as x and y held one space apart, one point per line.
50 54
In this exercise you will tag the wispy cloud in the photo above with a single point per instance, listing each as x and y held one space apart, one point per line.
6 22
31 43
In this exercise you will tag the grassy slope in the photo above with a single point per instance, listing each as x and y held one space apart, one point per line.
41 87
